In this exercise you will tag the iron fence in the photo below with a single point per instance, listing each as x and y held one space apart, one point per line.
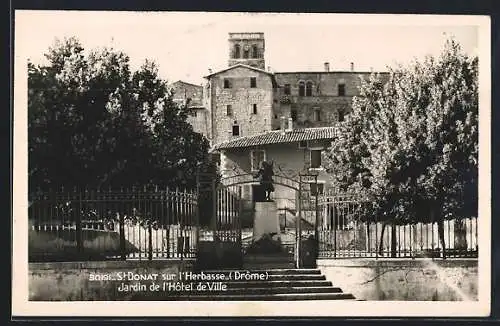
109 224
343 233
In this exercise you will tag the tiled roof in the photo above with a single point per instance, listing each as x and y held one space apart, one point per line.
278 136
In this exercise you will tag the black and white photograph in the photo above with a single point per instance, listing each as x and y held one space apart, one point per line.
251 164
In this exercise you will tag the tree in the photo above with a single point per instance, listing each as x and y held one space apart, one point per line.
95 123
410 144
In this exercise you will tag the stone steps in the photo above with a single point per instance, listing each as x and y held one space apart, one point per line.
266 297
248 285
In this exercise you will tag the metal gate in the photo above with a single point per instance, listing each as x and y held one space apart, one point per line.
223 203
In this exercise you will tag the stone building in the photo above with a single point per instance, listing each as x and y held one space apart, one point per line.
191 95
254 114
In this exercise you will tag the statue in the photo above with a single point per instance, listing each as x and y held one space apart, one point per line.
265 175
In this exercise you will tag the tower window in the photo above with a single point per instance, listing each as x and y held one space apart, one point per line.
286 90
253 82
236 130
254 109
245 53
237 51
227 83
309 87
341 89
255 52
293 114
229 110
301 88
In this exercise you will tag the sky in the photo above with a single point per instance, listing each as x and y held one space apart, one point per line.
186 45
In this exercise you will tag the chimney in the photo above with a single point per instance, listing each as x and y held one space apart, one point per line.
352 66
327 66
209 70
290 125
269 68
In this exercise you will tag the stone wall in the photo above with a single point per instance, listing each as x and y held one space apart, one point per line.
61 244
241 97
324 98
404 279
63 281
193 96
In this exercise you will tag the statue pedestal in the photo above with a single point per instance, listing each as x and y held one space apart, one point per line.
266 220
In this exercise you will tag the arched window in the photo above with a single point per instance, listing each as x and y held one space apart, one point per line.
309 87
237 51
301 88
245 52
255 52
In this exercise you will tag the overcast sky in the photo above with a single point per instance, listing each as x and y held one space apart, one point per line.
185 45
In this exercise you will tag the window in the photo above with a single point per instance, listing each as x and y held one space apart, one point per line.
254 109
255 52
245 53
317 188
317 114
227 83
341 89
303 144
236 130
293 114
341 116
309 87
286 90
301 88
315 158
256 158
253 82
237 51
229 110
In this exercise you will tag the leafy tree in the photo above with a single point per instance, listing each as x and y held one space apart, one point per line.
95 123
410 145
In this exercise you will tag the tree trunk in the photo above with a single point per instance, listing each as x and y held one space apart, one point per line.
441 234
394 243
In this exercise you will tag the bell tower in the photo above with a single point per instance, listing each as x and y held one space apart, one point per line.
248 49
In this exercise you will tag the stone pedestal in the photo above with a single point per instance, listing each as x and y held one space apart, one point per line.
266 220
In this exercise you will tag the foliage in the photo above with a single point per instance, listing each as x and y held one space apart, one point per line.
93 122
410 145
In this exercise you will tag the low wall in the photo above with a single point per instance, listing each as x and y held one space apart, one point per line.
404 279
60 244
102 280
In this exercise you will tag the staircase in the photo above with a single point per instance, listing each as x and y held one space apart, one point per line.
275 284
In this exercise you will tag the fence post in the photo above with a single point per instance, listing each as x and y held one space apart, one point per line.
334 224
121 225
214 208
78 222
150 241
298 222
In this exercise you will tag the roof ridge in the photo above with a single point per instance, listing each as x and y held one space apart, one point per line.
239 65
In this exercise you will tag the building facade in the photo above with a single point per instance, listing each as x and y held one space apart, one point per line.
253 114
